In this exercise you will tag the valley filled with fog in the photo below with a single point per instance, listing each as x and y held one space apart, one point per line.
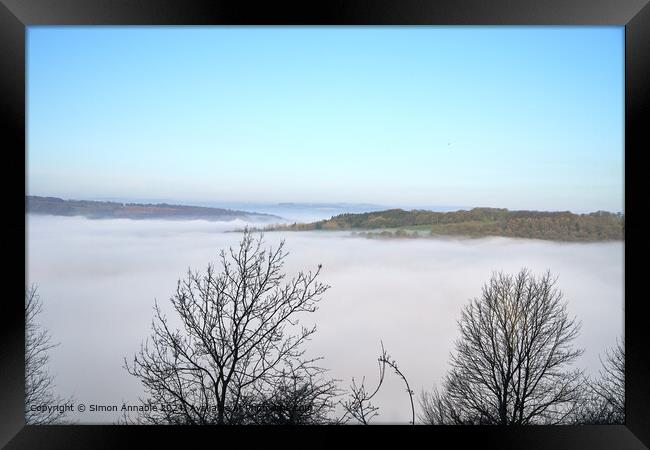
98 280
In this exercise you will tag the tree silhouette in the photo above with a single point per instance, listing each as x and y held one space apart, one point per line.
359 406
42 406
297 398
239 353
603 397
511 364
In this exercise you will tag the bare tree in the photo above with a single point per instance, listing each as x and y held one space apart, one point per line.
393 364
42 406
298 398
603 397
240 345
512 361
359 405
611 384
436 409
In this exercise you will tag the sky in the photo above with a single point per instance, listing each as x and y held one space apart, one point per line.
514 117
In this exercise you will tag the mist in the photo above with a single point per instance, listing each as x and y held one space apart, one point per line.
98 280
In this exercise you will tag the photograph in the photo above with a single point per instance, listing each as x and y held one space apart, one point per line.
325 225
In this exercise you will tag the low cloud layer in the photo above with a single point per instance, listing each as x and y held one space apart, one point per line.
98 280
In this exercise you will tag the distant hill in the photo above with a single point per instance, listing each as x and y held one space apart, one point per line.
366 206
477 222
115 210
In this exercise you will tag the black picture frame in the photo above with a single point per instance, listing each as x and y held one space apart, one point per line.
16 15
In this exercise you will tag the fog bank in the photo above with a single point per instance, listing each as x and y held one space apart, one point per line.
98 280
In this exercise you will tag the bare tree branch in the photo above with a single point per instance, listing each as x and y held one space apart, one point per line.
42 406
603 397
359 406
511 361
239 351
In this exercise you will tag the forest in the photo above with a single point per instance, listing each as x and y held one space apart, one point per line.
477 222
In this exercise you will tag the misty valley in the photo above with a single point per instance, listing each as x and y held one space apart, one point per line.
326 226
99 281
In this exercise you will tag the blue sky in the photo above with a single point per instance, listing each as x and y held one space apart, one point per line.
515 117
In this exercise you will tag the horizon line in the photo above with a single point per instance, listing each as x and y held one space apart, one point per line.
403 206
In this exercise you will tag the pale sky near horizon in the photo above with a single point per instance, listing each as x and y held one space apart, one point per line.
514 117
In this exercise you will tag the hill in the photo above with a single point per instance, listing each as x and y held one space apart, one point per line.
477 222
115 210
